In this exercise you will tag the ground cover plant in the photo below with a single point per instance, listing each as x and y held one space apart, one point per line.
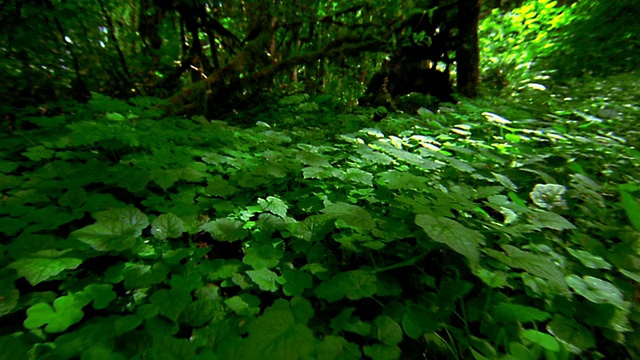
261 211
492 230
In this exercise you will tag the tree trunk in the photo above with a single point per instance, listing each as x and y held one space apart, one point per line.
468 55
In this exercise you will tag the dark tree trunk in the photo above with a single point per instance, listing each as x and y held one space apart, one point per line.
468 55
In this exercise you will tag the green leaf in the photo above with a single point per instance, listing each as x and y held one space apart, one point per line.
139 276
277 335
171 303
339 322
589 260
354 285
374 157
217 186
418 320
45 264
201 312
73 198
65 312
387 330
116 229
8 299
99 353
115 116
548 196
244 304
295 281
520 352
263 256
314 227
533 264
167 226
170 348
408 157
222 269
631 275
315 172
100 294
359 176
572 332
265 278
14 347
165 178
187 282
382 352
312 159
353 215
395 180
11 226
597 291
37 153
505 181
301 309
124 324
225 229
337 348
632 208
274 205
451 233
546 219
505 312
545 340
8 166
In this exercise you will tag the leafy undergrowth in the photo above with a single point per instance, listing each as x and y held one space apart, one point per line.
482 232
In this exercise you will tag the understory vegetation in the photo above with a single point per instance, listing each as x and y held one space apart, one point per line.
497 229
501 227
